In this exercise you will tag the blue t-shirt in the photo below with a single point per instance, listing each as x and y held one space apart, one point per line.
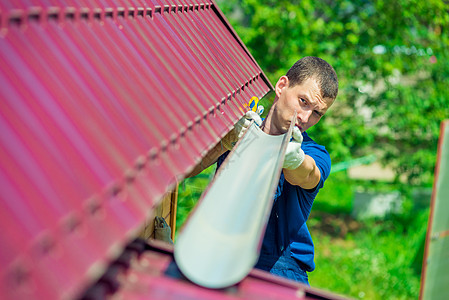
291 208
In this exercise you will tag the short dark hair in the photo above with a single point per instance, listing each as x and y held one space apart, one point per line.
317 68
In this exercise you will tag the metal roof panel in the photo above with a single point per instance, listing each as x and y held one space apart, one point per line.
106 105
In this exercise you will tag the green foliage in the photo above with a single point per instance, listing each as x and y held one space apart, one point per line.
336 195
392 61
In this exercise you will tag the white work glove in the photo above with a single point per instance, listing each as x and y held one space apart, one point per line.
240 128
294 156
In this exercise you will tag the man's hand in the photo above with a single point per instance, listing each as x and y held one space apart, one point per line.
240 128
294 156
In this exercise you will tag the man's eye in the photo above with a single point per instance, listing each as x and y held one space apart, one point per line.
318 113
302 100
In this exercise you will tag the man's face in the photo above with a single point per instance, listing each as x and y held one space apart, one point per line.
304 98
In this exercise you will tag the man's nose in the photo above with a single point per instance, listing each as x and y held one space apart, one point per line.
304 115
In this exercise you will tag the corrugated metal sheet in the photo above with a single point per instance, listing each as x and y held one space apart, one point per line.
104 105
434 276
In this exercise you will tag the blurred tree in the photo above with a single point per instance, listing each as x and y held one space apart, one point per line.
392 59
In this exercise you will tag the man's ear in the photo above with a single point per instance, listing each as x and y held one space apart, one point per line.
280 85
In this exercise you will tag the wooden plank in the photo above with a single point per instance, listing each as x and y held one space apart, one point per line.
165 206
167 210
173 209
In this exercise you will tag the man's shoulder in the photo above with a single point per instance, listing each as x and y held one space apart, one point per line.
308 142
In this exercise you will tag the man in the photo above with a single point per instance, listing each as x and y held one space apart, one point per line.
308 90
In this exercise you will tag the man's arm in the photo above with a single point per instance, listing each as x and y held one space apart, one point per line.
210 158
300 169
228 142
307 175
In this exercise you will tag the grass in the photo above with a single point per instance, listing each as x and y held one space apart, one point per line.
374 262
363 259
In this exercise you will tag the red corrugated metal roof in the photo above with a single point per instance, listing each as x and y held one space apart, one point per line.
104 106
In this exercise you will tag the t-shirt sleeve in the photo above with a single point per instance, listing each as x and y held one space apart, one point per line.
322 160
